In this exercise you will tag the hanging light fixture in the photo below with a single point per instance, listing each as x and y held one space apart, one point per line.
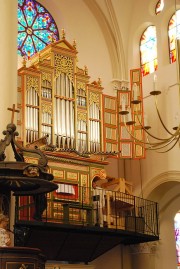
132 113
161 143
131 117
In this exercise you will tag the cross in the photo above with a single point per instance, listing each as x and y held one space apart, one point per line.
13 111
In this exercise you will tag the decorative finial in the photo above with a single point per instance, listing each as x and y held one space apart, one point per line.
74 43
13 111
39 57
99 82
52 38
62 34
24 61
28 55
85 70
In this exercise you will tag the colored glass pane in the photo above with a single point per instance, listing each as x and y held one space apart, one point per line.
173 33
36 27
148 51
177 236
159 6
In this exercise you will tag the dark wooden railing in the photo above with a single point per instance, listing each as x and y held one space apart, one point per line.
100 208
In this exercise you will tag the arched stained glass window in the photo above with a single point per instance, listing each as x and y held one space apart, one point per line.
159 6
177 236
36 27
148 51
173 33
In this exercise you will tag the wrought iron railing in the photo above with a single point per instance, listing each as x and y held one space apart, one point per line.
99 207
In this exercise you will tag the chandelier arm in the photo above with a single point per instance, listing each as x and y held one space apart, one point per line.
151 145
172 145
155 137
147 138
165 143
162 139
161 118
176 141
143 142
162 145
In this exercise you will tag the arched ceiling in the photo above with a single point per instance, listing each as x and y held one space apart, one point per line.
107 20
112 21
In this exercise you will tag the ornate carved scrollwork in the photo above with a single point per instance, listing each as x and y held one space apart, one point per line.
32 82
63 64
94 97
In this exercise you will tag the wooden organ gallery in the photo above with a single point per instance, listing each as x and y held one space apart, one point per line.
82 126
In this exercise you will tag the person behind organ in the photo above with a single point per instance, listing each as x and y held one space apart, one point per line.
5 240
98 202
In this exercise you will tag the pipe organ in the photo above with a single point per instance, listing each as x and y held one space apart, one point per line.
83 125
57 99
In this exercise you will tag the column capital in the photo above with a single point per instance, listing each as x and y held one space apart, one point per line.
120 85
144 248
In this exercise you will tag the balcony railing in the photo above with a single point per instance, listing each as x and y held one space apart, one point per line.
98 208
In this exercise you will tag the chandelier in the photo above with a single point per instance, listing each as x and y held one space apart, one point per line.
132 115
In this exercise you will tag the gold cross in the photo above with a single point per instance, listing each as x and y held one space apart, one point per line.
13 111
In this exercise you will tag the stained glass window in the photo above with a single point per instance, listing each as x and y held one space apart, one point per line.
173 32
177 237
148 51
36 27
159 6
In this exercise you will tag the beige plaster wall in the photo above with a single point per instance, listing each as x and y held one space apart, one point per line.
8 63
168 102
109 47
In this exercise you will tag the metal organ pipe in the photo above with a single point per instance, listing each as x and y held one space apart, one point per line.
57 111
31 115
27 117
71 115
64 111
36 115
94 128
67 110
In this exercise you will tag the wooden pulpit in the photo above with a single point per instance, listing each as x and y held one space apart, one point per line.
21 258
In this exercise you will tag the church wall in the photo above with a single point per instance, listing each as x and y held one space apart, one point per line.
8 62
112 259
166 252
149 167
92 42
79 23
166 76
159 172
8 69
